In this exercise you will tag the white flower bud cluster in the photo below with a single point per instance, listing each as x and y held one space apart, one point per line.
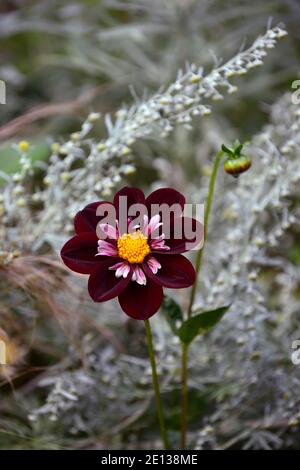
109 382
250 349
83 170
190 95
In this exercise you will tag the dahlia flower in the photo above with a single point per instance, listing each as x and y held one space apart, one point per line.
135 263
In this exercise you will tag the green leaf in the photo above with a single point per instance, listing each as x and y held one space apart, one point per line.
172 313
201 323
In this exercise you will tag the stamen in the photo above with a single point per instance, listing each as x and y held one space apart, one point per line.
133 247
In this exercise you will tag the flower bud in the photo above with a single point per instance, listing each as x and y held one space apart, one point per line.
93 117
236 163
65 176
24 145
55 147
236 166
21 202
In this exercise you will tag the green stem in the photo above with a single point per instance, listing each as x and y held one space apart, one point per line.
184 396
184 347
206 219
160 414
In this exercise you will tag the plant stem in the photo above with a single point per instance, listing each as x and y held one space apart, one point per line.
184 347
160 414
206 219
184 395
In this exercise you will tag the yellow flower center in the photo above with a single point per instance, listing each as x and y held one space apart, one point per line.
133 247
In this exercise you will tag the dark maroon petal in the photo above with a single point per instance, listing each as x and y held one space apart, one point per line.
104 285
134 196
79 253
87 220
181 235
176 271
141 302
167 196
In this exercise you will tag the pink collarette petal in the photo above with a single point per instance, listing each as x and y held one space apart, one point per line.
110 231
153 264
122 269
106 249
158 243
139 276
152 225
145 226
